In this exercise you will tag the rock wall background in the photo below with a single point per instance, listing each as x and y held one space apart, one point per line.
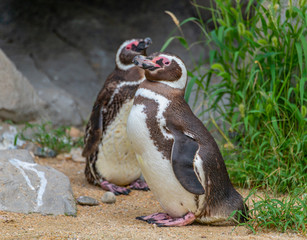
66 49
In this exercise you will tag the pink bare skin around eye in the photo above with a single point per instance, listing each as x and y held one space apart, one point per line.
165 60
129 46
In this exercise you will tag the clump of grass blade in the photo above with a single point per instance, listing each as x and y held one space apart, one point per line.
282 214
49 137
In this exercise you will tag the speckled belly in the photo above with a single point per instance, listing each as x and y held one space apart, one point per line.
116 160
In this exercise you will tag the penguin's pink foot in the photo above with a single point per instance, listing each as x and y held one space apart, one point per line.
139 184
164 220
117 190
155 216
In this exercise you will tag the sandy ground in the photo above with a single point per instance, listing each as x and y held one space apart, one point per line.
112 221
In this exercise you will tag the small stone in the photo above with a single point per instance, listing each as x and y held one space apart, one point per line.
84 200
44 152
30 146
154 226
74 132
108 197
64 156
76 155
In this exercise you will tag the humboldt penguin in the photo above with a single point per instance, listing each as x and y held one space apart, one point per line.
110 160
179 158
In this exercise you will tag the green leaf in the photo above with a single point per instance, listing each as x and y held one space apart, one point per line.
300 56
259 57
262 42
304 44
302 89
189 88
190 19
168 41
212 54
183 42
275 126
165 45
264 24
218 66
222 22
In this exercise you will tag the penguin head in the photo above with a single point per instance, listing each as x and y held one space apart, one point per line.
129 49
163 67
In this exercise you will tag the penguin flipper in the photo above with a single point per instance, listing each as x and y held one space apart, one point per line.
183 156
93 131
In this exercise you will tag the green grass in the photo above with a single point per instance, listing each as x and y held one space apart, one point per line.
283 214
49 137
259 101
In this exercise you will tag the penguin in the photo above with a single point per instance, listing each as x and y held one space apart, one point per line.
110 159
179 158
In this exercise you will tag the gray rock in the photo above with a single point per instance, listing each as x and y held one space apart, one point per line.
18 99
69 70
21 154
28 187
89 201
60 108
108 197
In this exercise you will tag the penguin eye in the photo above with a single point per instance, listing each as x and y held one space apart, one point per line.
128 47
166 63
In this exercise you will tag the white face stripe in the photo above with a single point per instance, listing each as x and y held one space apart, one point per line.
163 103
118 62
180 83
123 84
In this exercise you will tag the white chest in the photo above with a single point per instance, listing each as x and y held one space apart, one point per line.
157 170
116 160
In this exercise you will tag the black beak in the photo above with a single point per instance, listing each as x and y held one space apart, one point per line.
144 63
144 44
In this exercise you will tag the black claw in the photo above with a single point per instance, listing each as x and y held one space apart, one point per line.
160 225
141 189
140 218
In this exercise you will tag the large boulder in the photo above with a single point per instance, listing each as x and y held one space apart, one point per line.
27 187
18 99
61 107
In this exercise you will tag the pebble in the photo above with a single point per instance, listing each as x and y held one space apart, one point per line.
46 152
74 132
108 197
89 201
39 151
76 155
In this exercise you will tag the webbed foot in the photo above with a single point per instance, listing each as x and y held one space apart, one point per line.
139 184
164 220
117 190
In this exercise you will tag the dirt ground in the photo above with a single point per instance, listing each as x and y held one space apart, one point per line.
112 221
